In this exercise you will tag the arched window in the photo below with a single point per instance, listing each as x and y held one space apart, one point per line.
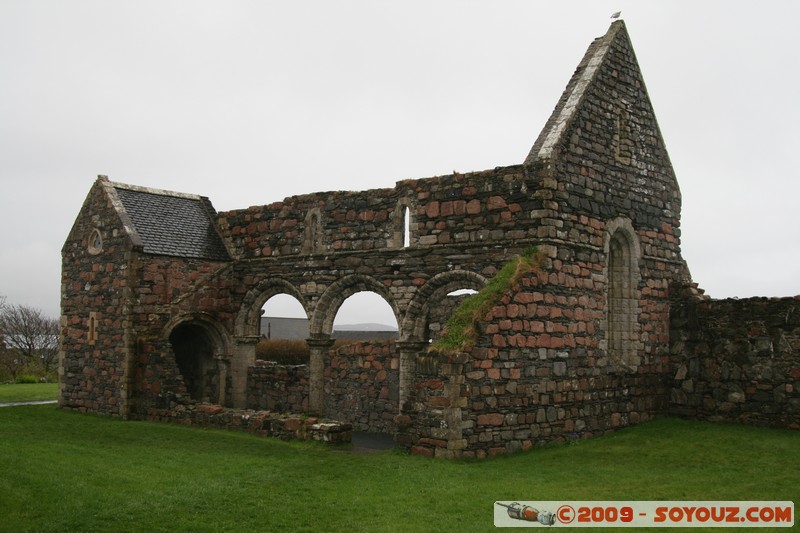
406 227
623 332
313 242
402 225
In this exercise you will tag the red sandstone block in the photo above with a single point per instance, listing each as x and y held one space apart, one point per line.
434 384
495 202
440 401
209 409
496 451
292 424
402 420
421 450
523 297
499 341
491 419
433 442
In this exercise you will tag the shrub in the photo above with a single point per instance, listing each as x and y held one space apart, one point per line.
283 351
27 378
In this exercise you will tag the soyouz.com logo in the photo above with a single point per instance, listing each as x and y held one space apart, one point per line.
643 514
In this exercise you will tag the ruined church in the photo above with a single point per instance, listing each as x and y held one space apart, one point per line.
162 296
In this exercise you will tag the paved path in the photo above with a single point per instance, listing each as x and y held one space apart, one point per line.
15 404
371 442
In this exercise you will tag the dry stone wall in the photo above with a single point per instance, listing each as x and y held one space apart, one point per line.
737 360
279 388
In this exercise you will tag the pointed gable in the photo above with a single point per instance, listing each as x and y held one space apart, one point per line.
605 115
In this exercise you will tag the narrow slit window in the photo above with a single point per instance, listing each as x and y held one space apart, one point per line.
406 227
92 330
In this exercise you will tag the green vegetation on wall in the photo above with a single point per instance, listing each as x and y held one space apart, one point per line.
461 331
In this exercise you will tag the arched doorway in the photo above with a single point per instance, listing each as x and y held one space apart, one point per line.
197 353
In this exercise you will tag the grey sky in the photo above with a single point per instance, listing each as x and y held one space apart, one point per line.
247 102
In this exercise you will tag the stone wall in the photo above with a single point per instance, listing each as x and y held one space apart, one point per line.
540 373
737 361
581 345
361 385
455 209
280 388
284 426
96 284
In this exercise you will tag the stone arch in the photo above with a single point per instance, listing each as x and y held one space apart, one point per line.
249 316
623 331
313 242
325 311
414 323
403 224
201 348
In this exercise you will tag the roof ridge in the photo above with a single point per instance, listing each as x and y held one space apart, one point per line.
159 192
573 94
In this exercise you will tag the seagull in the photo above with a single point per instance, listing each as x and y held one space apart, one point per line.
616 14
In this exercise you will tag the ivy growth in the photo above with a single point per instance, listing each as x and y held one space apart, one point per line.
461 331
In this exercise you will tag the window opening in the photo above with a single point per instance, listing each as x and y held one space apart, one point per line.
406 227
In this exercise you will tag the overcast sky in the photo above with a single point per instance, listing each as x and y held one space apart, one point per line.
248 102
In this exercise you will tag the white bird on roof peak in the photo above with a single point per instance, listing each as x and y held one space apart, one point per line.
616 14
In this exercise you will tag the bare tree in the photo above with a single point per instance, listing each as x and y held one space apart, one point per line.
29 335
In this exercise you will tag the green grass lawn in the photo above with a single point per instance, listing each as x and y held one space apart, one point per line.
62 471
28 392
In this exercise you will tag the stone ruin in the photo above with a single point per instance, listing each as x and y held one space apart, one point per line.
162 297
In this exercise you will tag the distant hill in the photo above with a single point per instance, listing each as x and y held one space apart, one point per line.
370 326
297 328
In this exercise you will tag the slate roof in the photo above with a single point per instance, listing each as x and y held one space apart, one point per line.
174 224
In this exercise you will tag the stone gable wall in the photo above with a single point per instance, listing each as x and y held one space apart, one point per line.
95 303
543 369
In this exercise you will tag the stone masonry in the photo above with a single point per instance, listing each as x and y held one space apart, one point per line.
162 296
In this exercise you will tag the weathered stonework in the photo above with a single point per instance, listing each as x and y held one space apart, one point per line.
737 360
161 313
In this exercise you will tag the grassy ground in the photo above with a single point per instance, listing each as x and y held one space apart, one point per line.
28 392
62 471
